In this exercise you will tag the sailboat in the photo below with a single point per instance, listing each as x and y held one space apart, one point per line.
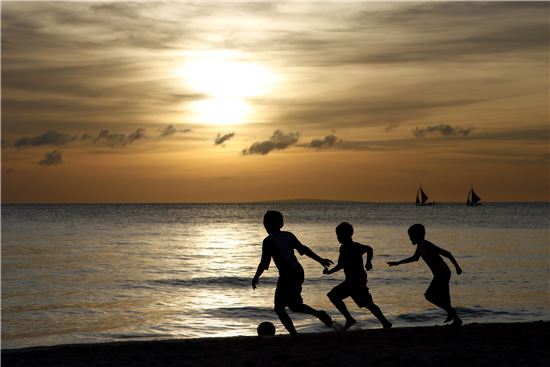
422 198
473 199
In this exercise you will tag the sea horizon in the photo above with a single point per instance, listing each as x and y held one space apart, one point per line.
274 201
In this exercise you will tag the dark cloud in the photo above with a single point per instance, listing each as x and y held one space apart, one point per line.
168 131
105 137
52 137
534 135
171 130
57 138
86 137
220 139
278 141
327 142
392 126
444 130
110 139
51 158
136 135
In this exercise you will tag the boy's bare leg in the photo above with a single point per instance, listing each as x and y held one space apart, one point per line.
321 315
286 321
341 306
451 312
379 315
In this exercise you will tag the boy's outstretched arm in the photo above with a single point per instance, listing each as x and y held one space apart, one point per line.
338 267
370 255
411 259
449 256
309 253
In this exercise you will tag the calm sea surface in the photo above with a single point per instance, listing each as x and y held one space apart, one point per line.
94 273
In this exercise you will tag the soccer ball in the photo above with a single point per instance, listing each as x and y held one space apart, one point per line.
266 328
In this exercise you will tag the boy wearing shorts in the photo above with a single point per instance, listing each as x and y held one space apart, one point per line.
438 292
280 246
355 285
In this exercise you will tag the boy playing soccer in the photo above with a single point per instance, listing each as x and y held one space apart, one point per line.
438 291
280 246
355 285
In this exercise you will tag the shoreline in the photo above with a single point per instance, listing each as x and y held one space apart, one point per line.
476 344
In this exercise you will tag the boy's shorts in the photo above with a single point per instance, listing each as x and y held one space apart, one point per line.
439 289
289 291
358 291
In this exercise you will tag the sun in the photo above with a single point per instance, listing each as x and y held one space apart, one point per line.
228 81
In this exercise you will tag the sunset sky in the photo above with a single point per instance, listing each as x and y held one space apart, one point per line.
230 102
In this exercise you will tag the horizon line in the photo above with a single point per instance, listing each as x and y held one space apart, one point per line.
274 201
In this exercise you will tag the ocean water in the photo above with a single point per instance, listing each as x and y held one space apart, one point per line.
95 273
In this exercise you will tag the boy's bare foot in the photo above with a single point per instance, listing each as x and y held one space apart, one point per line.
325 318
451 315
350 323
457 321
387 325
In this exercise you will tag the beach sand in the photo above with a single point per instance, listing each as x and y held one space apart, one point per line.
499 344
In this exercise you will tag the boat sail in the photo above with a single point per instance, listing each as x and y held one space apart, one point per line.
422 198
473 199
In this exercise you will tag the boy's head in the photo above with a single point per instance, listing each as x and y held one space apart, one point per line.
273 221
344 231
417 232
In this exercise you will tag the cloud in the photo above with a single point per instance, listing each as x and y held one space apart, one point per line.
171 130
391 126
327 142
444 130
278 141
168 131
105 137
354 112
86 137
51 137
51 158
536 135
114 139
136 135
420 33
220 139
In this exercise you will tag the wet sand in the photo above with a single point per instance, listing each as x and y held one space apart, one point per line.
499 344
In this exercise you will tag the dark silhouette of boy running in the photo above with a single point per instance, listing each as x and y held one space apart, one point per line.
280 246
438 292
355 285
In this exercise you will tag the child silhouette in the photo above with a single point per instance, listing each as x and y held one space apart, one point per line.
355 285
438 292
280 246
